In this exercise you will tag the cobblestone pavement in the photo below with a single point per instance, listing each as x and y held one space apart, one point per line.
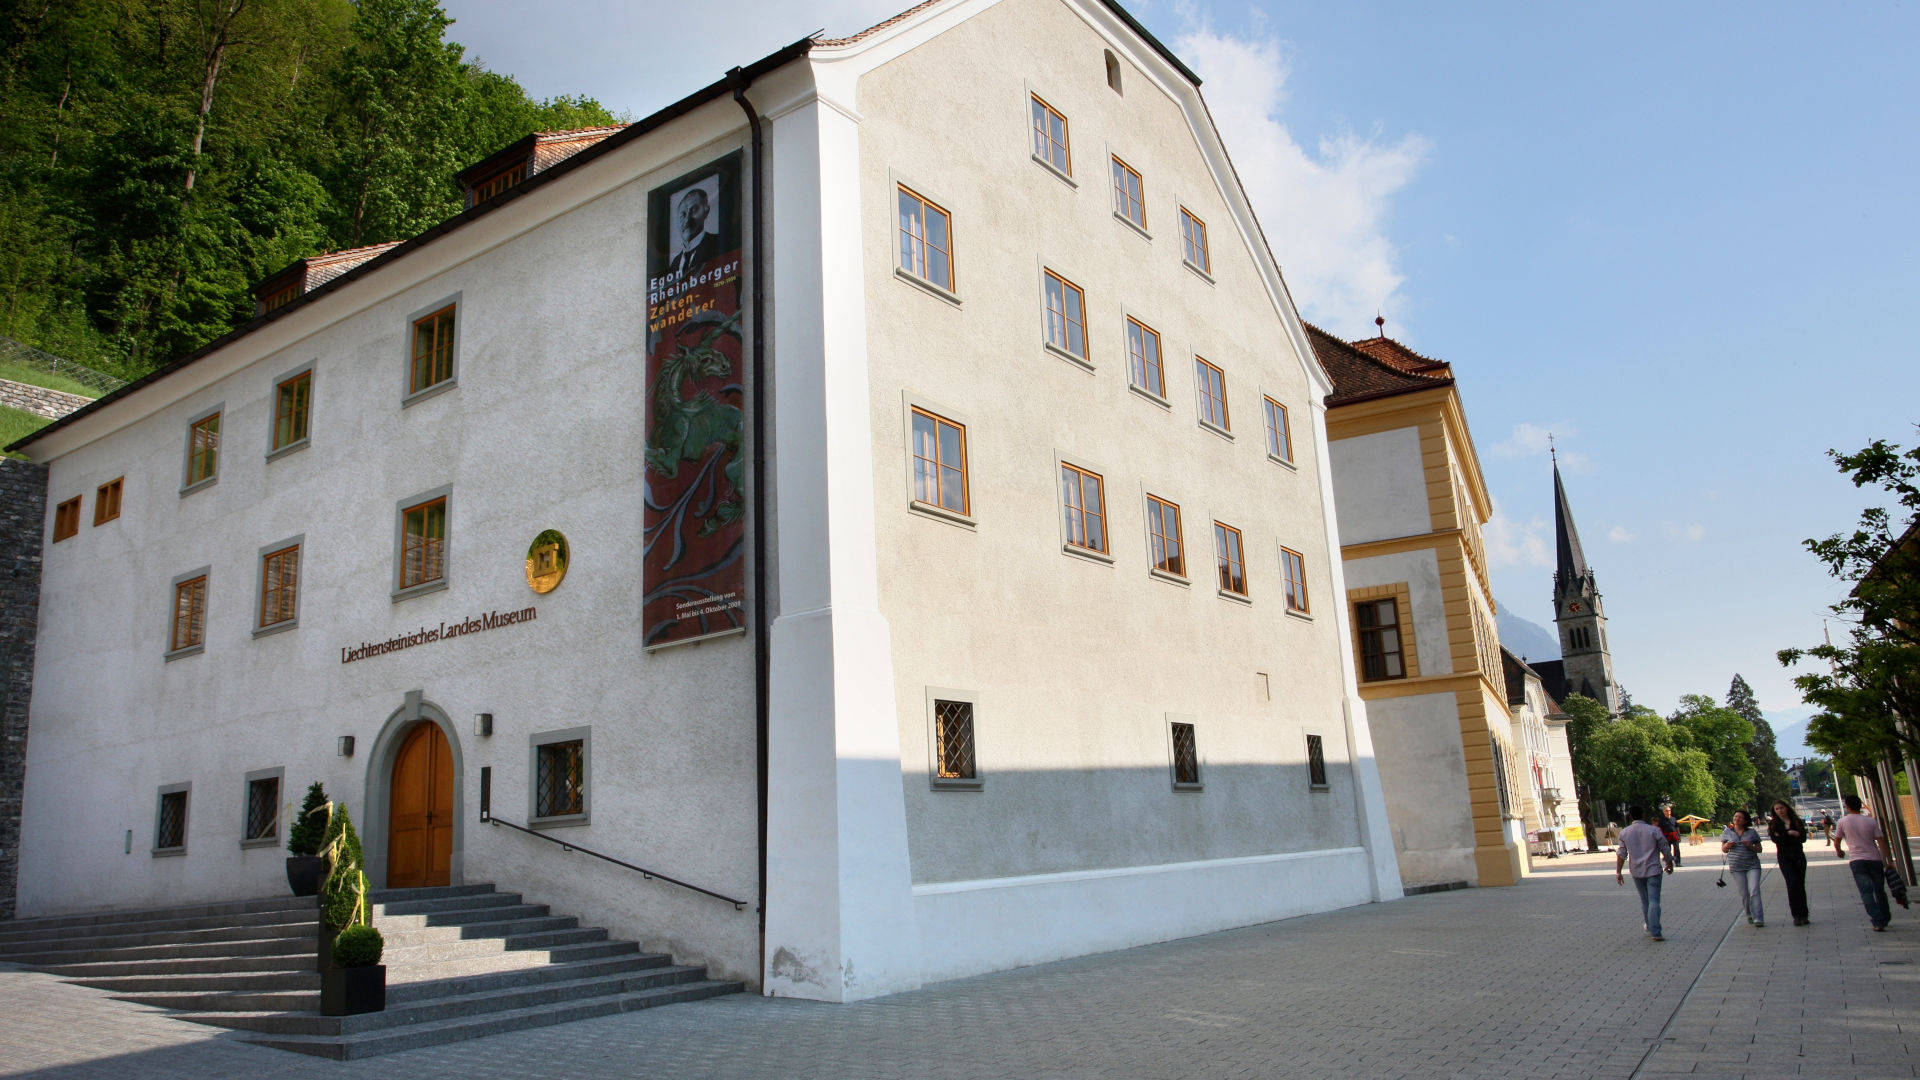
1553 978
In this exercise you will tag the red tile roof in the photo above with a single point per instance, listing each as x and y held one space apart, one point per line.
1374 368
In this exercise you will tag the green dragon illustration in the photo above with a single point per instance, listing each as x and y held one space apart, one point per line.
685 428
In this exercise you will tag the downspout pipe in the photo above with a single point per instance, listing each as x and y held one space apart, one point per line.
757 496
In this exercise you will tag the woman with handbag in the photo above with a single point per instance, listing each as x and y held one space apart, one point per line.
1742 847
1789 836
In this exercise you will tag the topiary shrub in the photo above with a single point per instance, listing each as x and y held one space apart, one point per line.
309 830
359 945
343 897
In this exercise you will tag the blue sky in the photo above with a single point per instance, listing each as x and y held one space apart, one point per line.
1680 237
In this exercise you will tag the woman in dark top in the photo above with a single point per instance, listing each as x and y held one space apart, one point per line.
1789 836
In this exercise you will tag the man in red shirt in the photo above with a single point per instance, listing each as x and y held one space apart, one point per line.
1867 856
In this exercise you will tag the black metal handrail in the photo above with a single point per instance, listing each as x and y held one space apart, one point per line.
487 818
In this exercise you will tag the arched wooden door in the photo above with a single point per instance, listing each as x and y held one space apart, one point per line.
420 814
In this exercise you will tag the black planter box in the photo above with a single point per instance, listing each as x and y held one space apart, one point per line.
347 991
324 962
304 873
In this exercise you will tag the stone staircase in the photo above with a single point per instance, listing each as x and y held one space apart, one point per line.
462 961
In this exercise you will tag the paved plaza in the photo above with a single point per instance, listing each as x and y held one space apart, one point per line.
1553 978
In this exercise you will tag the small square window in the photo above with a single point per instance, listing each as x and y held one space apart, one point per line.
1050 137
926 240
1213 394
280 586
432 350
292 400
953 741
263 808
1066 315
1143 358
1186 758
203 450
423 545
106 501
561 784
1232 559
1168 549
189 613
1279 434
170 821
66 519
1083 495
939 462
1294 569
1316 764
1129 195
1378 623
1193 242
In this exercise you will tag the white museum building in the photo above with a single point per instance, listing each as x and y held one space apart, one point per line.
888 488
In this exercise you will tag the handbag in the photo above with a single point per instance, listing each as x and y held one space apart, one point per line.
1722 883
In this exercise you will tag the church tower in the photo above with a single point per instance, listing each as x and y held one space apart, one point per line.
1577 612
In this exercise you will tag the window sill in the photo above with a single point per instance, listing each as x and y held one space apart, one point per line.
262 842
1086 553
1189 789
191 650
1064 177
941 513
1208 425
1320 789
917 281
1204 276
1151 396
1238 598
201 485
435 390
1298 614
559 821
277 628
1278 460
1134 225
293 447
168 853
412 591
947 784
1169 578
1080 362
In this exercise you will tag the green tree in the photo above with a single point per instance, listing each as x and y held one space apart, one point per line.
1724 737
1637 758
1769 772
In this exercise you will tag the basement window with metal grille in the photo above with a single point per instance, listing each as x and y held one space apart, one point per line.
170 821
1186 758
261 827
560 771
1316 764
954 765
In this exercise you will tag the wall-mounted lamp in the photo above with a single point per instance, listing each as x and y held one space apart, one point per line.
346 746
483 724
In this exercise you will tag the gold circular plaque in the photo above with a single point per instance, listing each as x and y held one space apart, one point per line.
547 561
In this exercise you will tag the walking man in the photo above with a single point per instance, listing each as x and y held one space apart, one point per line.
1643 849
1867 856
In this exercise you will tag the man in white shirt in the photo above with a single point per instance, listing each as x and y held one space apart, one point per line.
1644 850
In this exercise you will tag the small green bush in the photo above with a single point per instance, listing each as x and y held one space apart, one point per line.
309 830
358 946
343 894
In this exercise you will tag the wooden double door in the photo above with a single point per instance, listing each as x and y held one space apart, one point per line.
420 810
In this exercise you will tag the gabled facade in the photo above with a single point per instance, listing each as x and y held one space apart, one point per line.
1017 631
1546 761
1411 504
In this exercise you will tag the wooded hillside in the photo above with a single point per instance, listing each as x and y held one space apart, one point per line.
158 157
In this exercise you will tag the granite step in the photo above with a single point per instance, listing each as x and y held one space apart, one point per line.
274 946
205 936
12 939
226 907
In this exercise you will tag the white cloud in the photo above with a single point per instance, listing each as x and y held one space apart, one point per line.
1512 543
1619 535
1692 532
1532 441
1323 210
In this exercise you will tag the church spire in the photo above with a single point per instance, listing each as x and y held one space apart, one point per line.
1572 565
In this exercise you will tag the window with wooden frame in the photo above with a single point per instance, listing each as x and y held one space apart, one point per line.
432 350
1050 137
106 500
1381 654
263 809
1279 434
926 241
1083 495
279 586
953 746
170 821
423 543
560 779
292 400
1129 195
1213 393
66 519
1193 242
279 298
1294 569
1316 764
1164 538
497 183
1143 358
1186 757
189 614
1232 559
940 462
203 450
1066 315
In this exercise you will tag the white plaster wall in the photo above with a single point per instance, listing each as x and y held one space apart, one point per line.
1423 771
1383 486
544 430
1420 570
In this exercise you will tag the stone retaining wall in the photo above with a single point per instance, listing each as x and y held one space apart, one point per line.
23 511
52 404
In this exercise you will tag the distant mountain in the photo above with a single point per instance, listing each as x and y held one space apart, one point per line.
1528 639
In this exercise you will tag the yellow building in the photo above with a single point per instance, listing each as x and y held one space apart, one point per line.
1411 502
